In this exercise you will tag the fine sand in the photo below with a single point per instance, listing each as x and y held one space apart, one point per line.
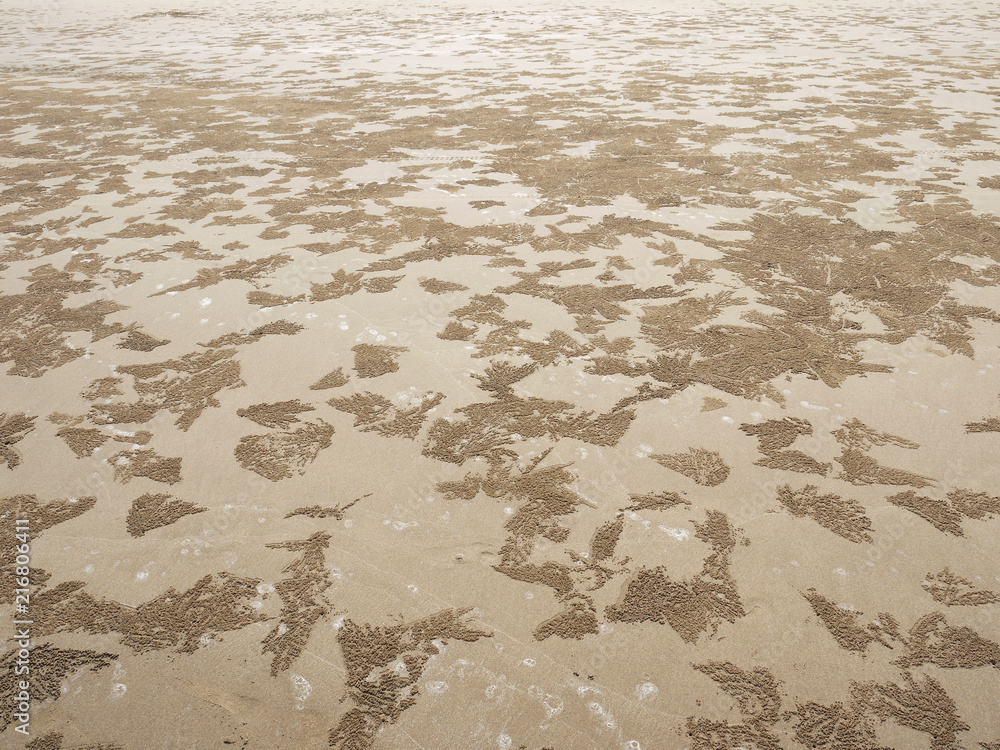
501 376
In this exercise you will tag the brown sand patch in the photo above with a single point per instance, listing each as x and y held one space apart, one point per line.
40 517
439 286
990 424
13 429
775 435
576 622
952 590
833 727
278 414
380 693
759 702
921 703
455 331
317 511
857 439
151 511
83 441
843 624
933 641
655 501
35 326
267 299
845 518
861 469
244 269
146 463
277 328
277 456
333 379
699 465
343 284
375 413
692 607
605 539
141 342
139 437
182 621
375 360
303 602
711 403
50 666
381 284
755 692
103 388
947 515
185 387
54 741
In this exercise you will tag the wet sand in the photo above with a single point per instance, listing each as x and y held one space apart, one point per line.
450 375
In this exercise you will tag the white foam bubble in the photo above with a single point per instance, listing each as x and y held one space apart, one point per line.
646 690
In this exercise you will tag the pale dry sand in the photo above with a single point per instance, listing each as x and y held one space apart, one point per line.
465 375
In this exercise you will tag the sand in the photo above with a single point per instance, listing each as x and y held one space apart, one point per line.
507 376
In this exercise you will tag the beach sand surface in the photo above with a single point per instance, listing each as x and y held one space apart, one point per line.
480 376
